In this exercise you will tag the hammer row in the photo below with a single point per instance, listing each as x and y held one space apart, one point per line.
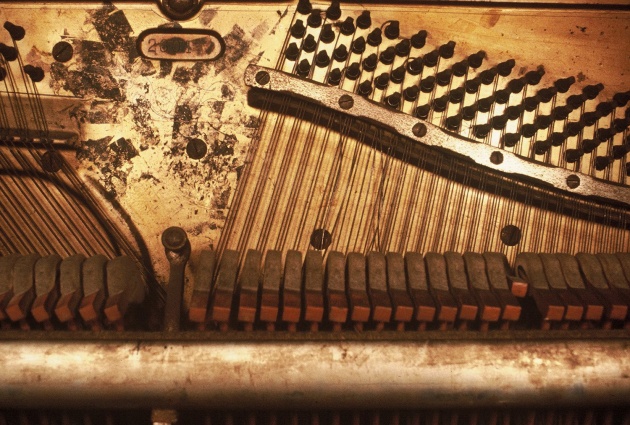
404 292
52 292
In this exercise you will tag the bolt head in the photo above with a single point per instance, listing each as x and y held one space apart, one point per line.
346 101
174 238
262 77
573 181
419 130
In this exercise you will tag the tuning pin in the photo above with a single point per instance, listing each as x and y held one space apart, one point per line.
353 71
411 93
529 130
392 30
419 39
622 99
347 28
620 124
531 103
590 118
564 84
476 59
542 146
472 85
422 112
533 77
364 20
573 155
605 108
481 131
454 123
398 75
560 113
358 45
431 58
516 85
557 138
365 88
9 53
375 38
314 20
621 150
573 129
369 63
292 52
575 101
340 54
505 68
602 162
322 59
414 66
487 76
440 104
303 68
588 145
499 122
485 104
447 50
543 121
309 44
604 134
327 35
35 72
403 48
460 68
513 112
388 55
511 139
444 77
298 30
469 112
15 31
545 95
591 91
304 7
427 84
334 11
382 81
393 100
455 96
502 96
334 78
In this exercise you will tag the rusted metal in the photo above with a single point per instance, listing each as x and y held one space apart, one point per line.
177 249
314 374
406 125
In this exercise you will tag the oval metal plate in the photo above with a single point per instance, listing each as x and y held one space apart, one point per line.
181 44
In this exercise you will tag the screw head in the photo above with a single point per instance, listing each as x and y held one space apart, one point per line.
346 101
62 51
51 161
496 157
510 235
573 181
321 239
196 149
174 238
262 77
419 130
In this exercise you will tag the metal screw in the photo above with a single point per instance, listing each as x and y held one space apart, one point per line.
510 235
346 101
174 238
496 157
196 149
181 6
419 130
573 181
51 161
62 51
262 77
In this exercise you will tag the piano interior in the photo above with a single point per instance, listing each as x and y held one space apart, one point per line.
309 212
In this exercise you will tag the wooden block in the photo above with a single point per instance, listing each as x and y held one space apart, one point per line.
419 288
356 275
6 282
292 287
377 287
313 287
249 282
94 288
402 304
23 277
46 287
125 286
202 286
336 287
223 290
272 277
447 309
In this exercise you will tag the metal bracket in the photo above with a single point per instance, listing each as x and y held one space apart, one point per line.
431 135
